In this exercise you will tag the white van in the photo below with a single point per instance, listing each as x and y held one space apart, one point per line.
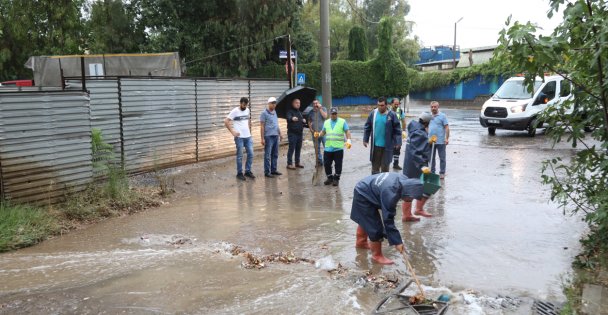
512 107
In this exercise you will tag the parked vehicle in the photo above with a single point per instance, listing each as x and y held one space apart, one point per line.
512 107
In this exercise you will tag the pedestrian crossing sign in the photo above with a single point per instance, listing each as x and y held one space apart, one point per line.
301 78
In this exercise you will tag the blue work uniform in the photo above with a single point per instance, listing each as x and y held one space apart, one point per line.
417 150
382 191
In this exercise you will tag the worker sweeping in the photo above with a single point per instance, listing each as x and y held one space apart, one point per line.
381 191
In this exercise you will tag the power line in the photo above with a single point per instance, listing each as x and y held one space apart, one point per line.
235 49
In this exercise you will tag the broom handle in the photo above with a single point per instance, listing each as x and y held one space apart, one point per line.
409 267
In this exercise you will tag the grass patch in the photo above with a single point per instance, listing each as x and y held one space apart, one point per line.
24 225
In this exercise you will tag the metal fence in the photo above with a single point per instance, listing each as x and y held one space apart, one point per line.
152 123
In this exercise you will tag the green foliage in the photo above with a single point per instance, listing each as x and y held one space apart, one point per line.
428 80
113 28
203 31
381 76
357 44
576 50
104 166
22 226
43 27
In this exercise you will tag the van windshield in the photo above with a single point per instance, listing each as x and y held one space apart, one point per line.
515 90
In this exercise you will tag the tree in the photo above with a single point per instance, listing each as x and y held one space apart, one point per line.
217 37
113 28
577 51
41 27
357 44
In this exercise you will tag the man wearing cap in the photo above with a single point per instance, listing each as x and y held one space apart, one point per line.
316 119
384 129
396 107
417 157
240 128
381 191
335 130
270 133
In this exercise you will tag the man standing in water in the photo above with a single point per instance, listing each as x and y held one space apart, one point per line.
240 128
295 129
381 192
384 129
396 108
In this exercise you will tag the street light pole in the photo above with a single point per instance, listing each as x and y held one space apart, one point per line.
454 48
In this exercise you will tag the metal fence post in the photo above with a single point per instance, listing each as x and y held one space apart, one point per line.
120 115
196 115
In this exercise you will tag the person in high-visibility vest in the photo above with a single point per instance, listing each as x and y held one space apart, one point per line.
335 130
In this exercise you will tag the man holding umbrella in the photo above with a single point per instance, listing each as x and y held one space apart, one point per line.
295 129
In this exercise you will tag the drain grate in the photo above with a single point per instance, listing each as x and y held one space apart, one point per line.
545 308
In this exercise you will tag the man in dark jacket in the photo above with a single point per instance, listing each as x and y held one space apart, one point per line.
384 129
381 192
417 157
295 129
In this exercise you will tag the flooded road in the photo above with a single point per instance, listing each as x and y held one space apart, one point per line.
494 234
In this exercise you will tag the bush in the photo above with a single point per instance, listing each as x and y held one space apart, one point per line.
23 225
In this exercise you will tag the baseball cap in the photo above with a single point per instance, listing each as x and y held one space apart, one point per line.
425 117
272 100
333 110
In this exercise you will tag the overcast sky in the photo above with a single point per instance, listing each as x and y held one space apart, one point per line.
482 20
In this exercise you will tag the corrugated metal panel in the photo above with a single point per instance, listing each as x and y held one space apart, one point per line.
159 122
105 114
216 98
45 144
260 92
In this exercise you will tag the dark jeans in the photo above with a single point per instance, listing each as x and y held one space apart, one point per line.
271 153
329 157
377 161
295 145
439 150
247 143
396 154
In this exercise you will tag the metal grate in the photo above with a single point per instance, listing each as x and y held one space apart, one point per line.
545 308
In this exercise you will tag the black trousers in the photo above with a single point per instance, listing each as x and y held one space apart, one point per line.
331 157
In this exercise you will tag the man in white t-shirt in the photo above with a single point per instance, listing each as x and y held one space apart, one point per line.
240 128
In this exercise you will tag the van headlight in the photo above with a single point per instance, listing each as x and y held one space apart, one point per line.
518 109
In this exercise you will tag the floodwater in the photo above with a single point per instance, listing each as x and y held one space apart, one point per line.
494 238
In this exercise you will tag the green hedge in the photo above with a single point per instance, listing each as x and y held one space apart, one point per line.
369 78
350 77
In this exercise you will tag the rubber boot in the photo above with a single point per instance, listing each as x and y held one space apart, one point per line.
361 238
377 256
336 180
420 208
329 180
406 208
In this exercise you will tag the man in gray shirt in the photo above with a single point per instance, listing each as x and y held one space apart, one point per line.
270 135
316 118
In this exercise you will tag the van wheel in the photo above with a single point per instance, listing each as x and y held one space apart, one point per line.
492 131
532 127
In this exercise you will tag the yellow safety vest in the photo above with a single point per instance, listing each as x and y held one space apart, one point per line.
334 138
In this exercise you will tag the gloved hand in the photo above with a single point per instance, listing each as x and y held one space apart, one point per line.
426 170
348 145
433 139
403 135
316 134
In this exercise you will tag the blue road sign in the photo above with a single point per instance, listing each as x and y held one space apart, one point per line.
301 78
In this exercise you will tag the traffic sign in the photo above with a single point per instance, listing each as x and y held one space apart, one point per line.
301 78
283 54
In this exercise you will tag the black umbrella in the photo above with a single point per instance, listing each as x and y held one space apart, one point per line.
305 94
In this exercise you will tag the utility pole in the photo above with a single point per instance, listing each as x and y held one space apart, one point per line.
325 60
454 48
289 68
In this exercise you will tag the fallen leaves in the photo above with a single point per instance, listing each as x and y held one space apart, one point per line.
253 261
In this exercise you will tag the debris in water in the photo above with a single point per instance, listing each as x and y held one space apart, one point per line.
258 262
